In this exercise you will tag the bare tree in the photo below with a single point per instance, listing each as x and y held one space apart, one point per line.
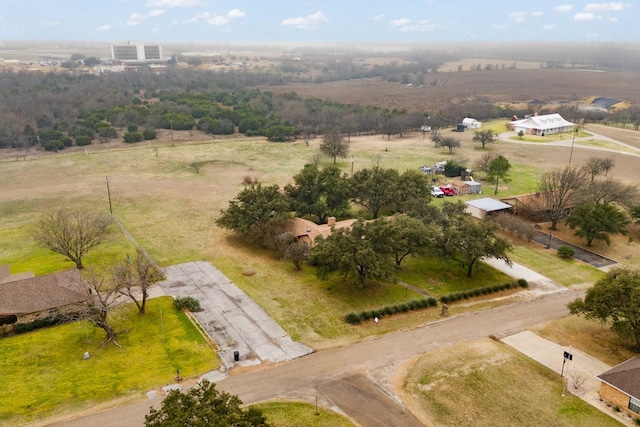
483 162
334 145
101 299
576 380
133 278
435 136
559 190
594 166
71 233
611 190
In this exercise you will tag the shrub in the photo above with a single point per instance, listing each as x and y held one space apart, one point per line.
366 315
82 140
130 137
445 299
566 252
148 134
523 283
432 302
187 303
616 408
636 421
54 145
353 318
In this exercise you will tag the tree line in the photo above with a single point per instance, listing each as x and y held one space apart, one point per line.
369 249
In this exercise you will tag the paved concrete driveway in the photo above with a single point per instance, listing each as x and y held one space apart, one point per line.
232 319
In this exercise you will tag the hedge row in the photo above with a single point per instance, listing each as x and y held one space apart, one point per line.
37 324
446 299
355 318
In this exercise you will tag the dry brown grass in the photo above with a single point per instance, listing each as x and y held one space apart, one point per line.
590 336
498 86
486 383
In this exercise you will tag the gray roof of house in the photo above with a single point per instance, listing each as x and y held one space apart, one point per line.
488 204
625 377
41 293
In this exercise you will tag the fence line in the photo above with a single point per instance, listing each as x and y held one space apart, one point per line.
135 243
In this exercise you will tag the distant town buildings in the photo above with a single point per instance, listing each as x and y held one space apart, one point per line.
137 52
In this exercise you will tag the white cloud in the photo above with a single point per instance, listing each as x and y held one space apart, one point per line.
549 27
499 26
235 13
215 19
104 27
613 19
518 17
378 18
537 13
172 3
584 16
306 22
604 7
131 23
156 12
563 8
400 22
422 25
136 17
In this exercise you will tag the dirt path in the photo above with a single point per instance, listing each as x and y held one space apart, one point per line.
378 359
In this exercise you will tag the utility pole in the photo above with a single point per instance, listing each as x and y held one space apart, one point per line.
109 195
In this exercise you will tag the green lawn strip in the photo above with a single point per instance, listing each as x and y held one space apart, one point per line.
441 277
46 373
310 310
489 384
566 272
299 414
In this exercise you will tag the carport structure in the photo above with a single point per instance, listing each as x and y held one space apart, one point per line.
481 208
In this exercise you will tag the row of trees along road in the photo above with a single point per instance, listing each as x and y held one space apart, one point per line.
369 249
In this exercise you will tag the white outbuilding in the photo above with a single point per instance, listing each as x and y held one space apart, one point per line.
470 123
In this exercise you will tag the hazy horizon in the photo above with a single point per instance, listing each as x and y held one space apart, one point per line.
319 22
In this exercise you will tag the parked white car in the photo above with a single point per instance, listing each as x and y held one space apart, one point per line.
436 192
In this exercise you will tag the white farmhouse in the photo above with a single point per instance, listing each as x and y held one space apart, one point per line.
547 124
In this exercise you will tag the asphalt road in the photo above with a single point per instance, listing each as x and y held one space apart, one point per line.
306 377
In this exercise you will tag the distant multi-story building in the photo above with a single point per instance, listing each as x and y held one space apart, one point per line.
136 52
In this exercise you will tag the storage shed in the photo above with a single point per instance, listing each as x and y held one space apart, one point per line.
467 187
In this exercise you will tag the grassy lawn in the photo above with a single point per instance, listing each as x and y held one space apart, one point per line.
298 414
488 384
45 372
566 272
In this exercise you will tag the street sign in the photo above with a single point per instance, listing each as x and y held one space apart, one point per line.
568 355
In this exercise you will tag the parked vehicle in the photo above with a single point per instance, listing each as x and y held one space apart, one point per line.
437 192
448 191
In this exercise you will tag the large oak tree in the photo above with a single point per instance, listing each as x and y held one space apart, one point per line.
614 300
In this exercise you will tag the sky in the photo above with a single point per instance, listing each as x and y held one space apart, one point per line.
328 21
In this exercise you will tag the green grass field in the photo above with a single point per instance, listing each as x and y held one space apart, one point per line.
43 372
